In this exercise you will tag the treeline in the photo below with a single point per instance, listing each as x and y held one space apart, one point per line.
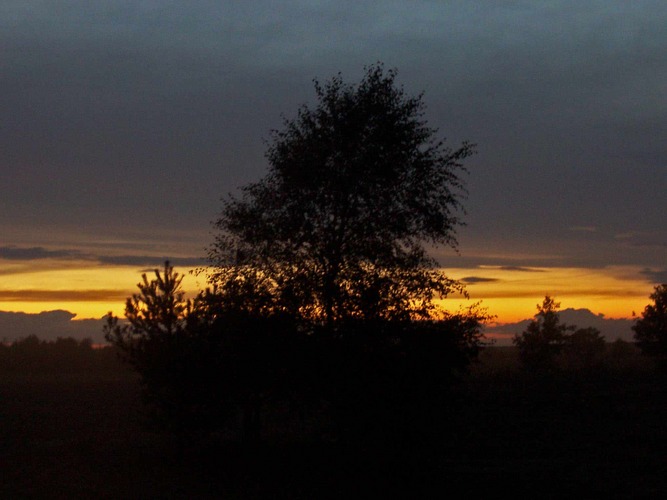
549 345
209 366
63 355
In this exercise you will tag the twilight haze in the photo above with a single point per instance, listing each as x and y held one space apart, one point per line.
125 122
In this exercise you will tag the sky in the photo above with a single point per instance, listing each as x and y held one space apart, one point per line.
124 123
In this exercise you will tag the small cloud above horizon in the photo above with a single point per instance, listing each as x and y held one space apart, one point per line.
471 280
18 254
655 276
612 329
640 239
49 325
146 261
62 295
521 269
11 252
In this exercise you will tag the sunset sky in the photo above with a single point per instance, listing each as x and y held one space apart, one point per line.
125 122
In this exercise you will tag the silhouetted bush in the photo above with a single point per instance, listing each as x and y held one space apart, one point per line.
622 356
651 329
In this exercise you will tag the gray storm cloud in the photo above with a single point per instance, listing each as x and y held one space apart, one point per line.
126 116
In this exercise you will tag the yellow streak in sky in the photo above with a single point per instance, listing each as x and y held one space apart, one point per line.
512 295
91 291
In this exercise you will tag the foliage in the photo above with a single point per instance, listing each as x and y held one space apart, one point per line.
583 349
390 380
322 287
63 355
201 360
332 241
162 339
547 343
544 338
336 229
651 329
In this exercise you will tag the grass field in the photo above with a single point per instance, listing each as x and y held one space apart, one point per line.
81 434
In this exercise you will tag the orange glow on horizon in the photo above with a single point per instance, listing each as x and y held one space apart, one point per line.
87 291
91 291
512 295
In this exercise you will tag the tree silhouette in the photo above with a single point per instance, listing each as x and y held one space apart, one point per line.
322 286
547 344
336 230
165 341
651 329
201 360
583 349
544 338
334 240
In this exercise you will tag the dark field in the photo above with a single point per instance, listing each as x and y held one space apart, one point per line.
78 432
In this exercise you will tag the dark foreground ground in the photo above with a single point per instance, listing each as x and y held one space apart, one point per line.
602 434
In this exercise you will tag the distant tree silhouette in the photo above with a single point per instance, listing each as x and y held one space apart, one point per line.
547 344
651 329
583 349
63 355
336 229
624 356
543 340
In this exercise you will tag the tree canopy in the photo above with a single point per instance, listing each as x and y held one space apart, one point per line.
651 329
546 339
323 289
337 230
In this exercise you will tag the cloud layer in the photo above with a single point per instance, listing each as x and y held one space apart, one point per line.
124 123
128 115
49 325
15 253
611 329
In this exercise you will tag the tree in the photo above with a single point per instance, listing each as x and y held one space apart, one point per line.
544 338
547 344
583 349
321 279
336 231
167 341
651 329
336 238
202 360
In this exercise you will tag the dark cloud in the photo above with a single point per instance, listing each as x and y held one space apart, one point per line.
521 269
36 253
470 280
646 239
145 261
611 329
49 325
40 253
655 276
62 295
132 117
